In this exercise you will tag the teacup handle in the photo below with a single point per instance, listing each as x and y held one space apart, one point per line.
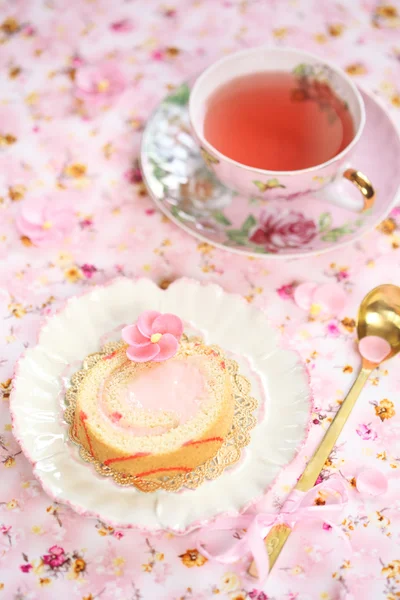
335 192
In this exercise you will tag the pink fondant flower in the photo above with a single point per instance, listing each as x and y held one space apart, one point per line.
99 84
154 337
328 298
45 221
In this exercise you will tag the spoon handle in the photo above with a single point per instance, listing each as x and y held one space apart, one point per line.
278 535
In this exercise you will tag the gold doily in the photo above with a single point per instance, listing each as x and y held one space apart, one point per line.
229 453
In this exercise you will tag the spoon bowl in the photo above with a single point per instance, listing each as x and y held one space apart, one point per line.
379 315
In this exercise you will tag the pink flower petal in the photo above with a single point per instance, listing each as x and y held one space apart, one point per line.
145 322
374 348
132 336
303 294
168 323
331 297
143 353
372 482
168 345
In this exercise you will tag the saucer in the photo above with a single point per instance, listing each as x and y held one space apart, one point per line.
178 180
279 383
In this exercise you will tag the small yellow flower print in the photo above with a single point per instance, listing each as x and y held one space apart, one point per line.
395 100
193 558
17 310
14 72
43 581
7 140
10 26
385 409
1 586
348 369
348 324
387 11
205 248
356 69
230 582
90 597
9 462
336 29
73 274
32 98
5 388
392 570
387 226
37 530
75 170
79 565
12 504
238 596
147 568
320 38
298 569
280 33
16 192
26 241
8 427
160 556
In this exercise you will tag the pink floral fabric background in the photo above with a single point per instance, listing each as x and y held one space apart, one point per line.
78 81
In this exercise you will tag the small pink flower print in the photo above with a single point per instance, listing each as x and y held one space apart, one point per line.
318 480
395 212
26 568
77 61
286 291
88 270
342 275
133 175
118 534
150 211
289 229
45 221
100 84
155 337
86 223
333 329
326 526
122 26
56 558
5 530
157 55
316 421
366 433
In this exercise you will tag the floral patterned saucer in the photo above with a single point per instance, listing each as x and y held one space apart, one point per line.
180 183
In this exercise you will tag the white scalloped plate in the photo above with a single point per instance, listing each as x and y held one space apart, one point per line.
279 381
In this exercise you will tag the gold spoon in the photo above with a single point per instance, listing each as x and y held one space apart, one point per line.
378 315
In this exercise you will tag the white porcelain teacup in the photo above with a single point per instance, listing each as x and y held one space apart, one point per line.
327 178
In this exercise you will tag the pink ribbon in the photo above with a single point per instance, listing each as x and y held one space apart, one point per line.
299 506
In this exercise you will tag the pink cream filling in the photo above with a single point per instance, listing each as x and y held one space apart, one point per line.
176 387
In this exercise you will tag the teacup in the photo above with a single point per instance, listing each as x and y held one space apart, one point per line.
325 178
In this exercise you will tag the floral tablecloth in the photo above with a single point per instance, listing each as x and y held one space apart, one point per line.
78 81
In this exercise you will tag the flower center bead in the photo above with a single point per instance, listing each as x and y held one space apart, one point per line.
103 85
47 225
156 337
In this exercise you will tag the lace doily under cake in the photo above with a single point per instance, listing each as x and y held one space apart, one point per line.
228 454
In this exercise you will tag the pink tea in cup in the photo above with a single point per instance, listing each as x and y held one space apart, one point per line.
278 121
